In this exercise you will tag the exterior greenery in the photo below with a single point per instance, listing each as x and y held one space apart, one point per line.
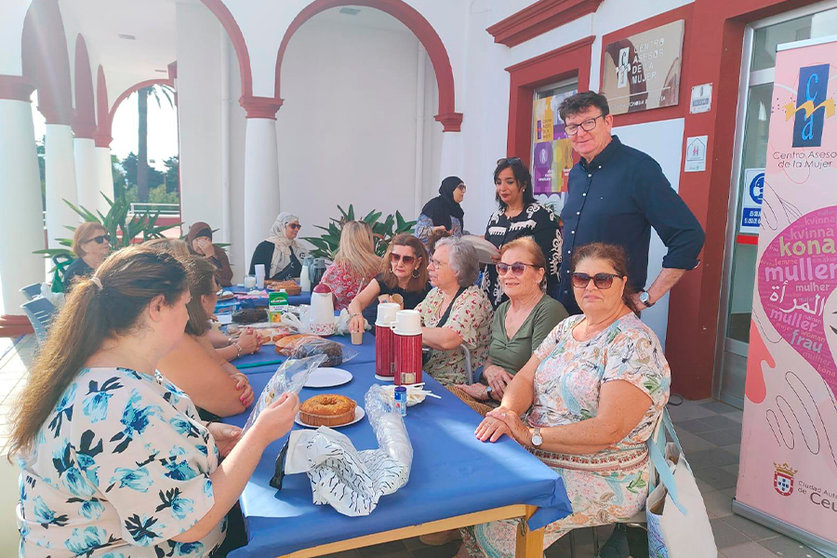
326 245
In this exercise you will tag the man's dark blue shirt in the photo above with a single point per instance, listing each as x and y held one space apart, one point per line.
616 198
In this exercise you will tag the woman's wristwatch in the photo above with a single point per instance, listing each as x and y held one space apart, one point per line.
537 439
488 391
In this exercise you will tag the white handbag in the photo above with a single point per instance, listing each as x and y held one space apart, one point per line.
678 526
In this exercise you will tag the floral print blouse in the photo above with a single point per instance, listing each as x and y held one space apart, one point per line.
571 373
470 317
119 468
343 283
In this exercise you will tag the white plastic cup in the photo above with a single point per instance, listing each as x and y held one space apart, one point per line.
386 313
407 322
260 276
249 282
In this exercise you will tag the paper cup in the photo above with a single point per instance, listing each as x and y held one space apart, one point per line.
357 338
407 322
386 313
249 282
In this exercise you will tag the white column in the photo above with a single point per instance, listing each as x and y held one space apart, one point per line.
104 178
451 159
60 182
87 183
261 182
21 223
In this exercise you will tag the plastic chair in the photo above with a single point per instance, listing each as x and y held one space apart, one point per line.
31 291
469 370
40 312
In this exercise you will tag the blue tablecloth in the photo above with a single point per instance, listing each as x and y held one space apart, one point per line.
267 354
452 474
295 300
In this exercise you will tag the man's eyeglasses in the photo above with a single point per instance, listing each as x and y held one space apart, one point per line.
509 160
98 239
295 226
517 268
436 263
601 280
398 258
588 126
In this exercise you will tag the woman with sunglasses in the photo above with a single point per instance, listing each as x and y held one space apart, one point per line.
91 244
585 404
520 215
280 254
521 323
405 274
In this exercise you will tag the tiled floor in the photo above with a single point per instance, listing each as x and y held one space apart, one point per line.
710 432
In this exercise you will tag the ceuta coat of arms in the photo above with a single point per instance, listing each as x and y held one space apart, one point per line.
783 478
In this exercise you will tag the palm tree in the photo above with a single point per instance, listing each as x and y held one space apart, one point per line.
158 92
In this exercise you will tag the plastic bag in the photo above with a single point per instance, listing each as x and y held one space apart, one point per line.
302 346
349 480
291 377
56 299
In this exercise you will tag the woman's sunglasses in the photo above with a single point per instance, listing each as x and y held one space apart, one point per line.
398 258
601 280
98 239
295 226
517 268
509 160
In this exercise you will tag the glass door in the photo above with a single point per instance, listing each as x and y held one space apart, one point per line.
754 104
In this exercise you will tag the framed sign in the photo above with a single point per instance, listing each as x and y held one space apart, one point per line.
642 71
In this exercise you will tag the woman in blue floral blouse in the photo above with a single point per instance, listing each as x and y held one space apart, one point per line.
115 461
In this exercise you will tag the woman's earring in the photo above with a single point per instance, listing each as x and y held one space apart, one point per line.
415 273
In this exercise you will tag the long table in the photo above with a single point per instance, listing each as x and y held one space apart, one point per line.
455 481
249 364
261 301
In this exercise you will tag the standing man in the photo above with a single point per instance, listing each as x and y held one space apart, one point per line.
616 194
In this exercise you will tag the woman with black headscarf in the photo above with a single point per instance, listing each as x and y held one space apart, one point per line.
443 216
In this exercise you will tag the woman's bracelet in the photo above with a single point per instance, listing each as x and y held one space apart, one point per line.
238 349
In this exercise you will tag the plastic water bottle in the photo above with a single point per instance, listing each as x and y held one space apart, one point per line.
305 278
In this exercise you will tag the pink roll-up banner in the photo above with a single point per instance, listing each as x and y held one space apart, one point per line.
788 468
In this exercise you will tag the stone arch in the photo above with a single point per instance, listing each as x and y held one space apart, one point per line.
413 20
133 89
230 25
46 62
103 129
84 116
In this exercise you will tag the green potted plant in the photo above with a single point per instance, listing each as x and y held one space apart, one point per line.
326 245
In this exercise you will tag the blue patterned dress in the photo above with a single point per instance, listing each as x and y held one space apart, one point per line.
120 467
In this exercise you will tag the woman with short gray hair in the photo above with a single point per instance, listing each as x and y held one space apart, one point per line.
455 313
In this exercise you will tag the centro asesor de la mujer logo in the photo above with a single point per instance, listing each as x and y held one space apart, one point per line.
812 107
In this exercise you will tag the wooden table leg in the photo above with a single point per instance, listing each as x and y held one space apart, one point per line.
529 543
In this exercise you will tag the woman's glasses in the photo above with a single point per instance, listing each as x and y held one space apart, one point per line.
98 239
295 226
509 160
399 258
601 280
517 268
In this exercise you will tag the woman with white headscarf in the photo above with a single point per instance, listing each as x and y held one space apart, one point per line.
280 253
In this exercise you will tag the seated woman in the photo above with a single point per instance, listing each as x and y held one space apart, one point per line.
522 322
199 240
596 387
355 264
226 347
114 459
405 275
455 312
280 254
91 244
443 214
193 365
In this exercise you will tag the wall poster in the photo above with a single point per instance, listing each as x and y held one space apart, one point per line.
552 153
642 71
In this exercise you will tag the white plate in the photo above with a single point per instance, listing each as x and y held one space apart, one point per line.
328 377
359 414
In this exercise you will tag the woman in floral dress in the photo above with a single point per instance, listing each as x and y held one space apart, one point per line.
114 460
596 387
454 313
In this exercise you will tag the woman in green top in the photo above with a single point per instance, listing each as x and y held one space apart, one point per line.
521 322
